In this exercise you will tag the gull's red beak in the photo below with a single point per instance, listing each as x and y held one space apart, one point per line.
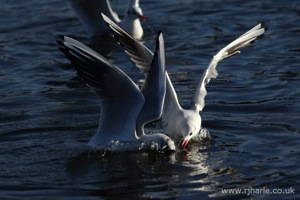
184 143
143 17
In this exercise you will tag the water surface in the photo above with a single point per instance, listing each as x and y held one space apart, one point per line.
252 108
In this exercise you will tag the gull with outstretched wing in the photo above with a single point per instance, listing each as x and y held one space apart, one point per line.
182 123
124 108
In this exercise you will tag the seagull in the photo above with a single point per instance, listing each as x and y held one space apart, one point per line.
178 122
88 14
124 108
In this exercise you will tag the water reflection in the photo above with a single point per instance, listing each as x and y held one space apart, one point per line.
113 173
148 175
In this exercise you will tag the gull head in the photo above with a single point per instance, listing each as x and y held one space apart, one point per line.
188 132
134 11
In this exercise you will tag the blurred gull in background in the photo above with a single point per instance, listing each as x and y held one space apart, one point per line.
88 13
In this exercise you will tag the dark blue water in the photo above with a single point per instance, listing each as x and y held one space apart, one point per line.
252 108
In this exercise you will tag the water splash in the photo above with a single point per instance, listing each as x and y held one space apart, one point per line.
203 136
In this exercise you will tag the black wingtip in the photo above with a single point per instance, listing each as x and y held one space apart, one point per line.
264 26
61 37
60 42
63 49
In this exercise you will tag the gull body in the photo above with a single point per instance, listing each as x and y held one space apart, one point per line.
88 13
178 122
124 108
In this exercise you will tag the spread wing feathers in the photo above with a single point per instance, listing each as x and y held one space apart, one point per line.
97 71
119 96
142 57
154 87
139 54
231 49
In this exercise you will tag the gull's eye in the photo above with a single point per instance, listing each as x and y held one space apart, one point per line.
190 134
